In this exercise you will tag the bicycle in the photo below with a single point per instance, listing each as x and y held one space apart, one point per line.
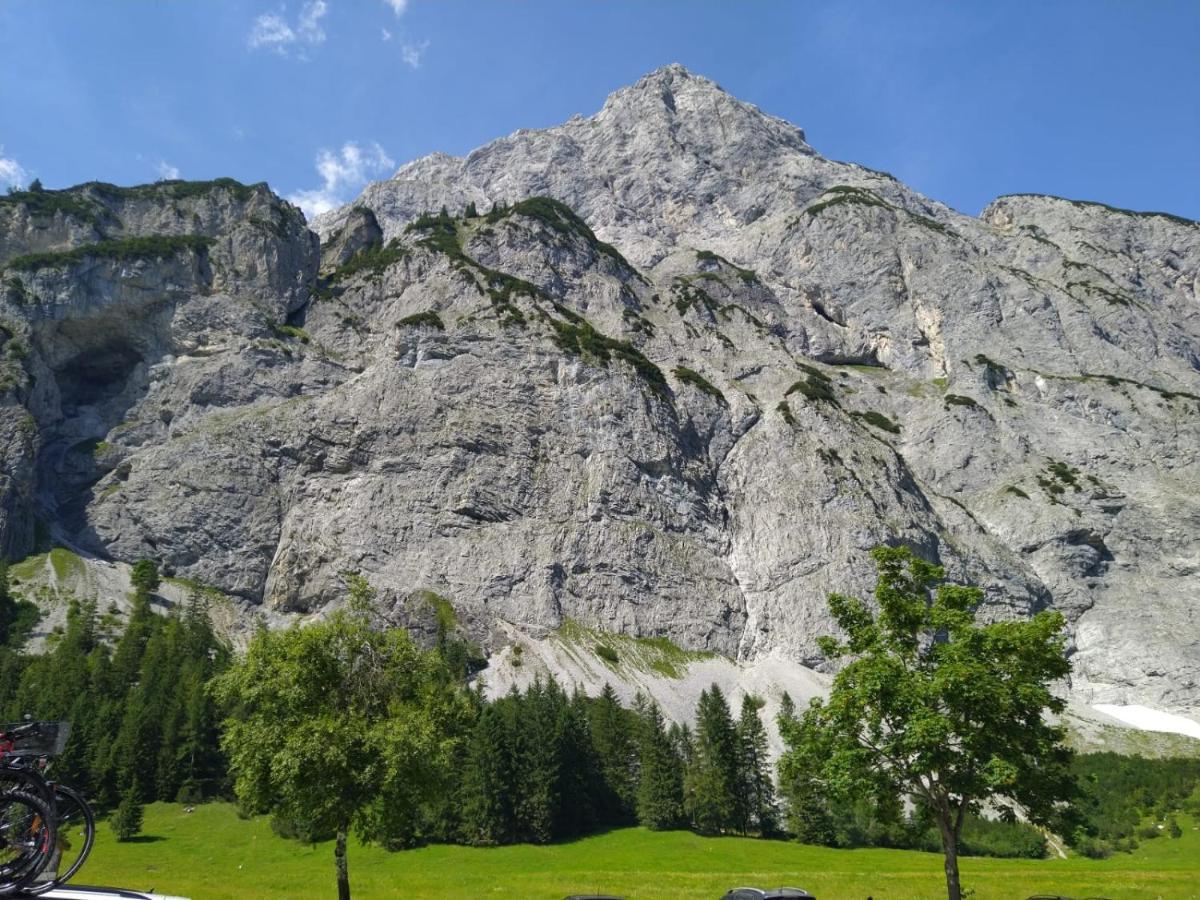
27 836
25 754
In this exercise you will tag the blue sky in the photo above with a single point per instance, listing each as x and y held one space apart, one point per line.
962 100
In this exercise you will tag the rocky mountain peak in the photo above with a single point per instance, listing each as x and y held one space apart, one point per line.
664 86
663 371
691 114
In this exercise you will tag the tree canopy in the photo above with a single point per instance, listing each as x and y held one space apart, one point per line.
339 725
935 706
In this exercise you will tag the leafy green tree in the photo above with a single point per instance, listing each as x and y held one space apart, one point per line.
660 789
933 705
471 212
127 820
341 724
755 787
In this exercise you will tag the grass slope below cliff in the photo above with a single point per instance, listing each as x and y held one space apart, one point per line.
213 854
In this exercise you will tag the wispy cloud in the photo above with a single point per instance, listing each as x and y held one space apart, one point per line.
342 171
413 53
274 32
12 174
387 35
398 6
166 171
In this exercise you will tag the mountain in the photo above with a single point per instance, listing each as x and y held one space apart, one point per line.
672 380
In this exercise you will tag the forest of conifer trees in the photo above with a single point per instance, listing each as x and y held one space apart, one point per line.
535 765
143 726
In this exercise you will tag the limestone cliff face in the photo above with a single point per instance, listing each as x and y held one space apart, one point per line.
684 401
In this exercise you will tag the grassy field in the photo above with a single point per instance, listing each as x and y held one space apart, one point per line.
210 854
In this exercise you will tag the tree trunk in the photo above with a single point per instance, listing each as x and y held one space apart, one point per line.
950 852
339 858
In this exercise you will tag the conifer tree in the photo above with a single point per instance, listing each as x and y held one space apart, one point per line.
660 791
756 790
127 820
488 780
682 743
8 608
711 785
787 708
612 734
538 751
579 777
144 577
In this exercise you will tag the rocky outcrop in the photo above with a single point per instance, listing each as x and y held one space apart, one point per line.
674 378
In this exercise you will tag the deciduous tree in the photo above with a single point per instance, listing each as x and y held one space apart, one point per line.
933 705
340 724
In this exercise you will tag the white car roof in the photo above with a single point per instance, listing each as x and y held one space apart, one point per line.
81 892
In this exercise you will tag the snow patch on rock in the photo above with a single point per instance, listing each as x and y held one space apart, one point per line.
1147 719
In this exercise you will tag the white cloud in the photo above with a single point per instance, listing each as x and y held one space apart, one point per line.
166 171
12 174
310 30
273 31
341 172
387 35
398 6
412 53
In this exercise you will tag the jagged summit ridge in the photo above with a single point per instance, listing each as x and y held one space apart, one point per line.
684 98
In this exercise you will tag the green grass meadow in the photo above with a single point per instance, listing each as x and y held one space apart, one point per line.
211 854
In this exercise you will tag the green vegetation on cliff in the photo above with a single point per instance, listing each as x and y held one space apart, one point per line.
157 246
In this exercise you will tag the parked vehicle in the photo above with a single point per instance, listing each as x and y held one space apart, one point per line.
783 893
101 893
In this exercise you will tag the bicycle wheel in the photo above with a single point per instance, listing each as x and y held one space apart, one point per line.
26 838
75 832
25 781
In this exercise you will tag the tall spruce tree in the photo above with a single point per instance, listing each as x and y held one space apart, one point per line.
538 754
682 743
711 784
660 790
613 736
488 779
755 786
801 785
580 779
